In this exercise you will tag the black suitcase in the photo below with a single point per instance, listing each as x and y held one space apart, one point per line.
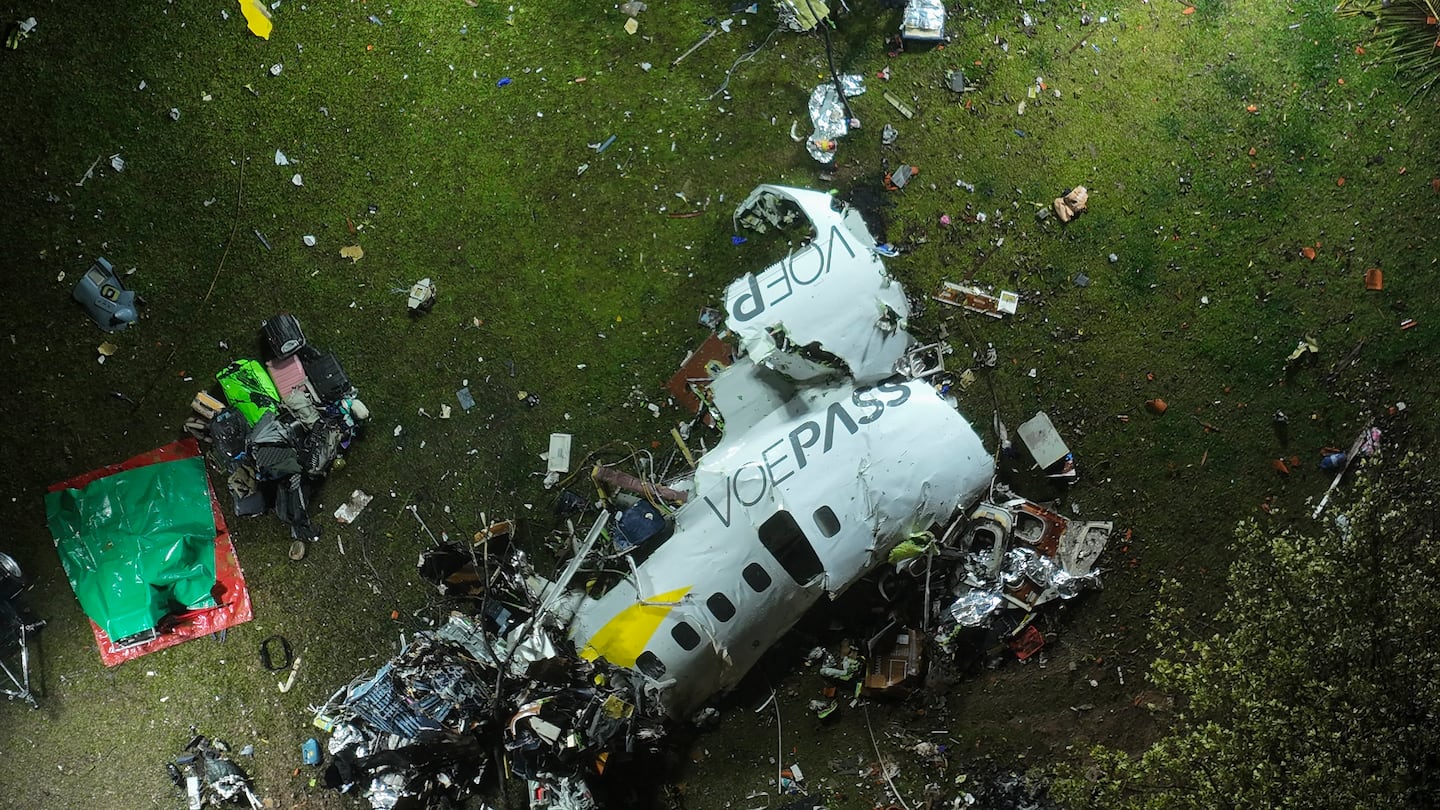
284 335
326 375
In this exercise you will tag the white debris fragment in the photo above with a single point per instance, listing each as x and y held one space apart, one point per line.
308 240
280 159
398 428
297 180
117 163
352 508
276 68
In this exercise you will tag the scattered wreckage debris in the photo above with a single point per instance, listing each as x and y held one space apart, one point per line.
17 625
923 22
1018 555
1365 445
288 424
207 775
830 116
104 297
421 296
840 457
1071 204
977 300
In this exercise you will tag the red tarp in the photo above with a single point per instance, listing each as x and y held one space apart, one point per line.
231 595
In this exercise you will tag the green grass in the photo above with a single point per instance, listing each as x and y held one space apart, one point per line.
477 191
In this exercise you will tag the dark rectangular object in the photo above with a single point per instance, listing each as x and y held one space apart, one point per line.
326 375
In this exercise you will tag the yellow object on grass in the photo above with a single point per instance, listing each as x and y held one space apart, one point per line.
624 637
257 16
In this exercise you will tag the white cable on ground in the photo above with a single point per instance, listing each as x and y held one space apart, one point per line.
744 57
884 771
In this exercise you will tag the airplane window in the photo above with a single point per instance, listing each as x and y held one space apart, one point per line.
649 664
721 606
756 577
827 521
782 536
685 636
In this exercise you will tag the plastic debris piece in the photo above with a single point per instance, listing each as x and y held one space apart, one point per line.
900 106
353 252
257 18
558 459
281 159
1157 406
276 68
308 240
117 163
466 400
422 296
631 25
297 179
1374 279
351 509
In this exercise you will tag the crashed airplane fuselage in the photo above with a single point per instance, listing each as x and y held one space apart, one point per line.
829 459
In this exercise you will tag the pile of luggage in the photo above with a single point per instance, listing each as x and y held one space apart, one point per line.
288 423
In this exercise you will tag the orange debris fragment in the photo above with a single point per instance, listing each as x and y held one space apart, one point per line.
1157 406
1279 466
1308 252
1359 50
1252 151
1339 181
1374 279
1251 108
1188 10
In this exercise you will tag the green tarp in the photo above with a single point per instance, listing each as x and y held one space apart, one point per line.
137 544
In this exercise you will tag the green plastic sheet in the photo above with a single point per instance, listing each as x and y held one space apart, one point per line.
138 544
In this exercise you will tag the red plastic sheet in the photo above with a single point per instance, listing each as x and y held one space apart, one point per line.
231 595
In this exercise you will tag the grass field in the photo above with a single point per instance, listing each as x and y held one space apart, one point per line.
1216 144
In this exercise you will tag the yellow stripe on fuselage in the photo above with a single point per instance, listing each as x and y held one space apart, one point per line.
624 637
